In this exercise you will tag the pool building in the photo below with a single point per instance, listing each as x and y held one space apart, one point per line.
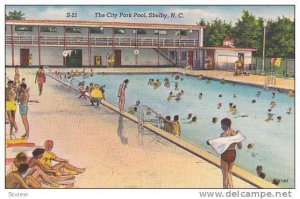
115 44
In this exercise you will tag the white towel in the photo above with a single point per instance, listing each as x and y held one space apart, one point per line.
221 144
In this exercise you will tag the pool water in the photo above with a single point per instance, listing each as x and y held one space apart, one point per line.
273 142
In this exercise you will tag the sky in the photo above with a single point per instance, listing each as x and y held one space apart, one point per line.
190 14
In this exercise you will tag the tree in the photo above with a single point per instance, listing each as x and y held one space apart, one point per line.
215 32
248 31
280 38
15 15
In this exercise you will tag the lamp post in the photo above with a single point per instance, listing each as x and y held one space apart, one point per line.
265 23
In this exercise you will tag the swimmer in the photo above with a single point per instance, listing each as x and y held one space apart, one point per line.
177 77
170 97
269 110
259 169
250 146
273 95
176 85
189 116
230 105
92 72
208 81
278 119
219 105
289 110
270 117
222 81
148 111
291 93
234 96
181 79
234 110
253 101
275 181
273 104
214 120
194 119
258 94
220 95
200 95
200 77
149 81
182 92
83 73
262 175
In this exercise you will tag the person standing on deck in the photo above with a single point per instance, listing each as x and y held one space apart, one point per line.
23 107
11 106
41 79
121 94
228 157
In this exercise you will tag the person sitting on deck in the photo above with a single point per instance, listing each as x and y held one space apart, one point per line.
96 95
15 179
238 66
35 175
49 156
168 125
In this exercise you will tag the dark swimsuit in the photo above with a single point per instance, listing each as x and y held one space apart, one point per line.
229 156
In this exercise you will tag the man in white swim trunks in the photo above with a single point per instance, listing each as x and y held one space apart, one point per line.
23 107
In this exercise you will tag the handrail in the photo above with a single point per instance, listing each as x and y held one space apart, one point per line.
47 67
71 81
141 114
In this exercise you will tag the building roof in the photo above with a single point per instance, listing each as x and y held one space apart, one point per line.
229 48
103 24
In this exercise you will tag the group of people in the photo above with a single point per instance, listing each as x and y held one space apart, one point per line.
94 91
40 170
76 73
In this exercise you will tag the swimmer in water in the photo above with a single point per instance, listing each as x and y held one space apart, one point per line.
208 81
273 95
253 101
214 120
273 104
259 169
219 105
291 93
176 85
270 117
262 175
189 116
220 95
289 110
194 119
234 96
278 119
200 95
269 110
170 97
258 94
234 110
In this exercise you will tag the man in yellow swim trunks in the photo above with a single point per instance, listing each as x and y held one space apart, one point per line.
11 106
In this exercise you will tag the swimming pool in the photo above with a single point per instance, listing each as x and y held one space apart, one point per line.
273 142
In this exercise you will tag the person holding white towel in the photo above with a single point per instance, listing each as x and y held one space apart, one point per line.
228 157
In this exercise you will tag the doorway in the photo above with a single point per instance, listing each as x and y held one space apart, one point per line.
74 58
190 61
24 57
118 57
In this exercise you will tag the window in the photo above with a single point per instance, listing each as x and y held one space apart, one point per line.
73 30
119 31
23 28
97 30
182 33
183 56
161 32
140 31
48 29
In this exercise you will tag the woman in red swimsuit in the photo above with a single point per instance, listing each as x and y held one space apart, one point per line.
228 157
40 78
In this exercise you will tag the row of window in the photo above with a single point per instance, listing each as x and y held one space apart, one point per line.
96 30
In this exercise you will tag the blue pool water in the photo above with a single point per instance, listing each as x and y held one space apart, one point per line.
273 142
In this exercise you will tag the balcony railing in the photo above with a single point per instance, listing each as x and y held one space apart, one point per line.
104 41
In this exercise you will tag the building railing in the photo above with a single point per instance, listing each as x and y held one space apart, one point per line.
103 41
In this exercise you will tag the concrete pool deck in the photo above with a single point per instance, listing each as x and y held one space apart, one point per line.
109 145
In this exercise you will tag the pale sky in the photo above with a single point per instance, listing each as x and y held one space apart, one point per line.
191 14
